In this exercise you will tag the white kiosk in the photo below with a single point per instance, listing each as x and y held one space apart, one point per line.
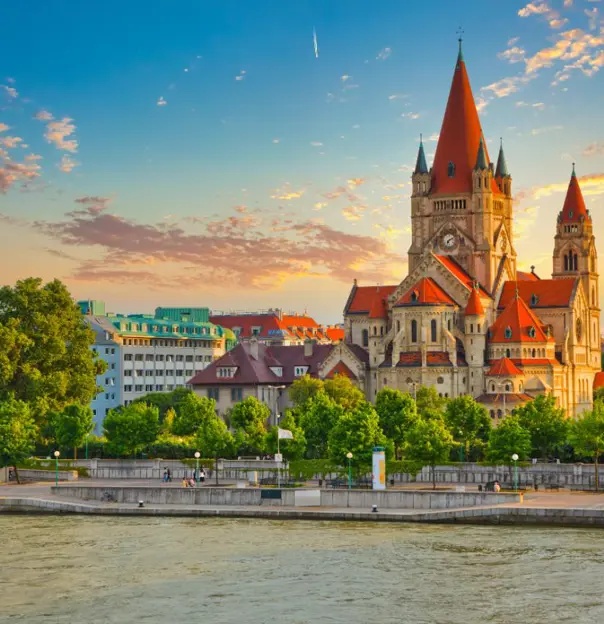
379 468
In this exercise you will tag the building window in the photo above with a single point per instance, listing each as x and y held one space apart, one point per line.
299 371
508 333
433 330
138 357
236 394
507 387
149 373
440 381
531 332
214 393
382 330
179 358
138 388
365 338
127 373
508 353
534 299
149 388
398 326
188 358
256 331
127 388
451 169
413 331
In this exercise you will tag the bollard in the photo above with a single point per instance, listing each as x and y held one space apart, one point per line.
141 504
374 508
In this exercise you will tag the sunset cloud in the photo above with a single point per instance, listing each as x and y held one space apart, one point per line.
594 149
43 115
592 184
57 132
4 127
67 165
10 142
11 173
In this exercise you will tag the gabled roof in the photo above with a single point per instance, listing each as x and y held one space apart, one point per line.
522 276
297 320
251 371
574 210
541 293
362 298
425 292
517 323
335 334
503 368
340 369
361 354
379 308
474 306
459 138
460 273
270 325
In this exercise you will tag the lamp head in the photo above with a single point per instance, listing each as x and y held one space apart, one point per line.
57 453
515 457
197 454
349 455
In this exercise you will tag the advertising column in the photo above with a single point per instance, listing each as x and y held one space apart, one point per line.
379 468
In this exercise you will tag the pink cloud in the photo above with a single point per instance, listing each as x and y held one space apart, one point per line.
57 132
43 115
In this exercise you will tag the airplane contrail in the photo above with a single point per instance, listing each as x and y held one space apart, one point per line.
314 39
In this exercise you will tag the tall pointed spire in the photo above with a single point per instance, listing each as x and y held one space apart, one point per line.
574 210
420 164
501 171
482 162
459 138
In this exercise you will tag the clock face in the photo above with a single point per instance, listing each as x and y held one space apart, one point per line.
449 241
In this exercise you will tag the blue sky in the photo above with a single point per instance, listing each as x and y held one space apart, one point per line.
199 153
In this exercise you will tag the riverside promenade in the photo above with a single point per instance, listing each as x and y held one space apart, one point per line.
563 508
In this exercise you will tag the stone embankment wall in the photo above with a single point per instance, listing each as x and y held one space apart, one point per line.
28 475
395 499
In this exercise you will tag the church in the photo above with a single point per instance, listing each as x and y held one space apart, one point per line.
465 320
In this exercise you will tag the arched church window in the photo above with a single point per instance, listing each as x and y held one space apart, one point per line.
566 262
433 330
508 353
508 333
440 381
365 337
492 387
575 262
534 354
493 414
413 331
398 326
507 387
449 324
499 413
375 330
382 330
471 328
593 294
451 169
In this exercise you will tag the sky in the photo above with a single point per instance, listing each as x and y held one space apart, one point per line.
244 156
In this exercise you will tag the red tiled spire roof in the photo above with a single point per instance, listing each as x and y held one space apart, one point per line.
425 292
574 210
459 138
504 368
474 306
517 323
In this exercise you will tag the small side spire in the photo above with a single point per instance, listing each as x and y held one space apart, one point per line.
501 171
573 174
421 165
481 157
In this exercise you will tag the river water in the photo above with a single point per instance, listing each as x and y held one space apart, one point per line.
85 569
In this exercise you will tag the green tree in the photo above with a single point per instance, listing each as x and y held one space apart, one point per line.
468 421
430 443
164 401
131 429
341 390
45 355
546 423
304 389
356 432
248 418
599 392
509 438
191 413
317 418
214 439
168 421
71 426
397 413
426 398
290 449
17 433
587 436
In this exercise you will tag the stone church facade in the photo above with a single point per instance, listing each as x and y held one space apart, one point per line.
465 320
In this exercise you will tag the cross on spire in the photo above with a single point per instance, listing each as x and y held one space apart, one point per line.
460 33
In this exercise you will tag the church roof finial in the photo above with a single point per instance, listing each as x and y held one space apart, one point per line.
574 175
460 39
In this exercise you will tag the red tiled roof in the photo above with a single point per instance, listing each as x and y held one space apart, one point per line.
522 362
335 334
362 298
425 292
550 293
459 138
474 306
379 308
599 380
518 318
460 273
527 277
433 358
298 321
503 367
509 398
340 369
574 210
271 326
252 371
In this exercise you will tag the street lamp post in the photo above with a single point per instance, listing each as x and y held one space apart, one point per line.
197 456
515 460
87 445
349 456
461 447
57 453
277 417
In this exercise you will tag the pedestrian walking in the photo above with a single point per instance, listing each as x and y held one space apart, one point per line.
202 475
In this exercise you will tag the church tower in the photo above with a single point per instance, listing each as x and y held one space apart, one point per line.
575 255
461 207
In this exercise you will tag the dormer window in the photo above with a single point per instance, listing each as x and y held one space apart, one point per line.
451 169
226 371
277 370
531 332
256 331
508 332
534 299
414 296
300 371
570 214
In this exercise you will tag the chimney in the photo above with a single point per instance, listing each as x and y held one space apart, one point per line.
308 348
254 347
